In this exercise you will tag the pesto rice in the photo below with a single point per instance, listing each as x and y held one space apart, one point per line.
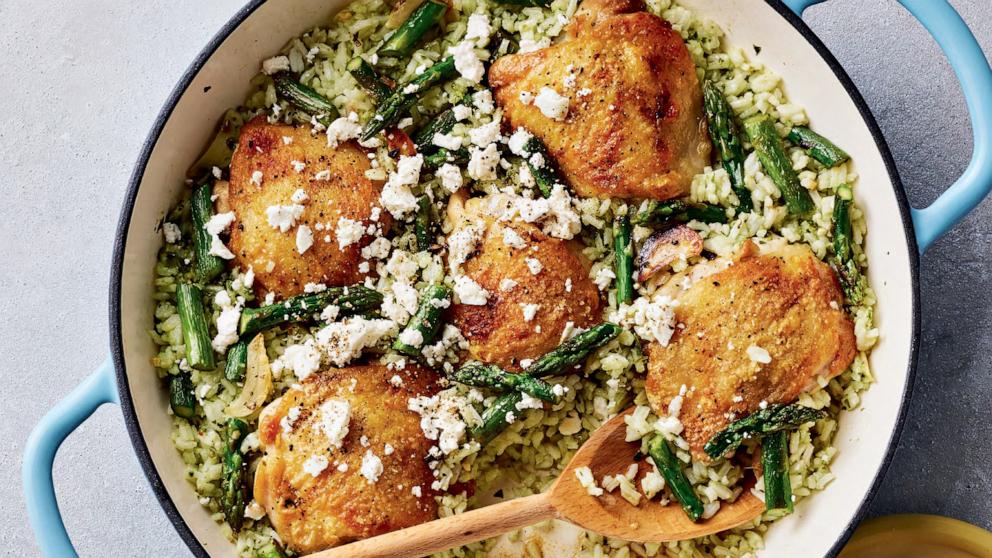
535 447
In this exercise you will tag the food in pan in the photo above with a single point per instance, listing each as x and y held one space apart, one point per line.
441 243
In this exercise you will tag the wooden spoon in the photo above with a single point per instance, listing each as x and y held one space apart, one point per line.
605 452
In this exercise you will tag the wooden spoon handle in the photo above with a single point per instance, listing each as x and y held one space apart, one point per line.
449 532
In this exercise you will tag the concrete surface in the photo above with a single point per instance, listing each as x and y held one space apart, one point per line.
82 82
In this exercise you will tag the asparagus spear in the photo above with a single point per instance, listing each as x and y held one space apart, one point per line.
678 211
775 466
442 156
573 351
494 419
218 153
623 254
726 138
494 377
563 357
304 98
440 124
207 266
237 360
842 222
233 474
393 108
368 79
544 175
351 300
181 397
671 468
772 418
850 276
818 147
427 321
422 224
196 335
402 42
761 131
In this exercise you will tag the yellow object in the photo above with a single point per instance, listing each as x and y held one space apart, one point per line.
918 536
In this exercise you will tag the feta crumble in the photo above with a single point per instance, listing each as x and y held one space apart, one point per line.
467 61
344 341
216 225
371 467
283 217
450 176
483 163
334 416
315 465
304 238
552 105
348 232
758 354
171 232
469 292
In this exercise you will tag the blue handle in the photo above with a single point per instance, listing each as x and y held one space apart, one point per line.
39 456
975 76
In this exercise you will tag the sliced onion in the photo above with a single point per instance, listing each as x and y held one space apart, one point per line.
258 381
663 248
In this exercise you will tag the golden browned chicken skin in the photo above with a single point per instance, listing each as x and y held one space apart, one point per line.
336 507
498 331
780 298
637 128
346 192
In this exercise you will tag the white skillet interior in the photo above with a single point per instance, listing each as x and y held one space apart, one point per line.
864 434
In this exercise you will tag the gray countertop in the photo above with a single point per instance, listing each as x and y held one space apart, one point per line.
82 82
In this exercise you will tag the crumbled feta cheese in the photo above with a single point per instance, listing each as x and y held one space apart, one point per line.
371 466
396 381
512 239
298 166
227 322
526 97
303 359
467 61
254 511
526 177
304 238
299 196
568 284
528 402
534 265
283 217
482 165
469 292
171 232
440 419
451 177
604 277
552 105
324 175
256 178
529 311
461 112
348 232
652 319
518 142
315 465
584 92
448 141
758 354
342 130
331 311
530 45
396 195
333 418
344 341
507 284
485 134
417 491
275 65
478 28
483 101
412 337
216 225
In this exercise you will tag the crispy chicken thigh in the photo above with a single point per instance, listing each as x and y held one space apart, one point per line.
635 125
339 504
780 299
264 174
526 312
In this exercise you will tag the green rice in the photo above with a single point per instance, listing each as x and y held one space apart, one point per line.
535 448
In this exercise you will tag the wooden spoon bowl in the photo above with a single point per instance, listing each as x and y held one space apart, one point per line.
606 452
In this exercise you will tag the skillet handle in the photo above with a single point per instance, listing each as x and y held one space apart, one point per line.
975 77
39 456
